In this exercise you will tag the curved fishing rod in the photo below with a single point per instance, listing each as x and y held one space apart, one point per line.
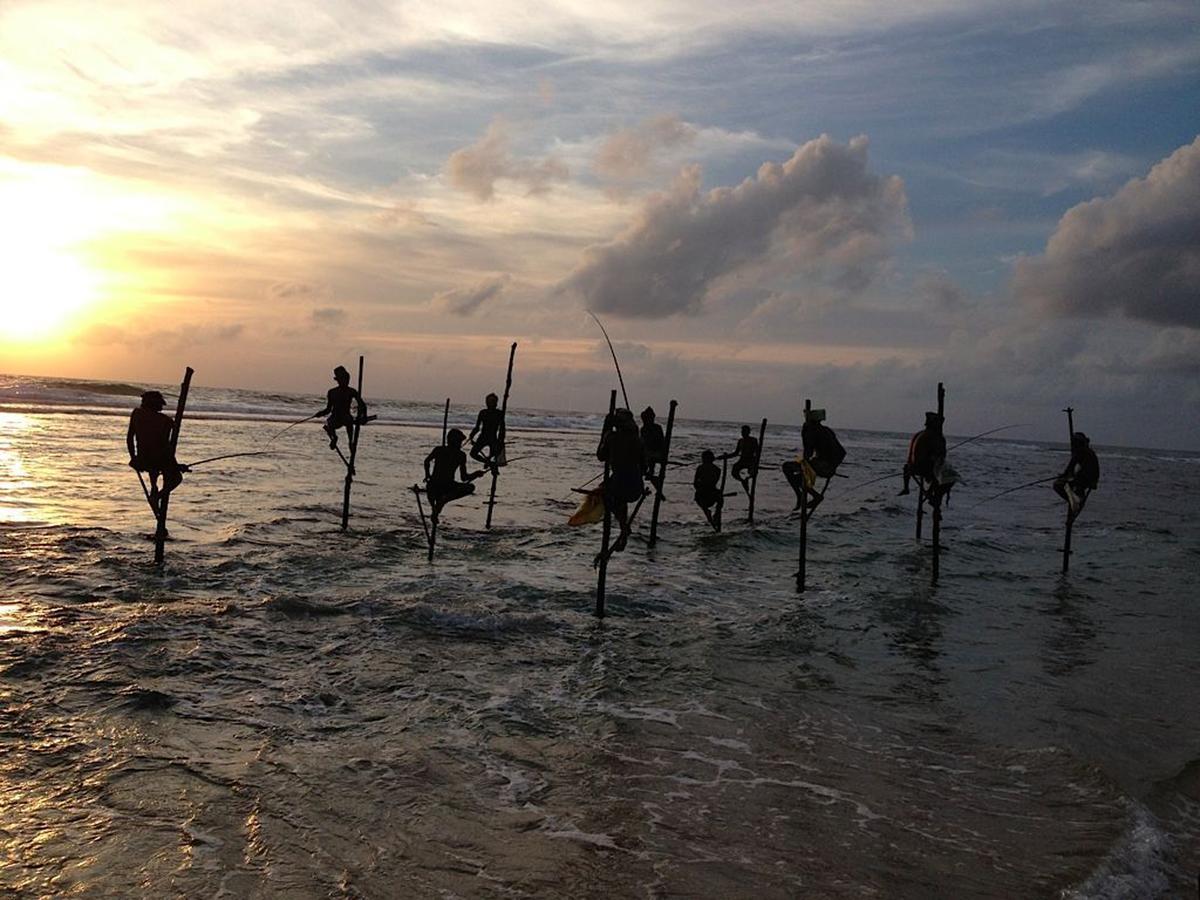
1019 487
986 433
608 340
271 439
229 456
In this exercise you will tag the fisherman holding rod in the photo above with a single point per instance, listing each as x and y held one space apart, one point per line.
337 407
149 442
1081 475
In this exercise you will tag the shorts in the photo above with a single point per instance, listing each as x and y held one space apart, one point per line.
624 485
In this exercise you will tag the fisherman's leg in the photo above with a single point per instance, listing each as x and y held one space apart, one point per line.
172 478
477 452
331 429
1060 487
907 479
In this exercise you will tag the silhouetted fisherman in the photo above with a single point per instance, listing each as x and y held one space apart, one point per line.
1081 476
926 456
448 460
746 452
820 456
337 407
621 446
707 482
489 426
149 443
654 444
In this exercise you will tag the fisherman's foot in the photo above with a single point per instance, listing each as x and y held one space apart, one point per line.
333 443
904 493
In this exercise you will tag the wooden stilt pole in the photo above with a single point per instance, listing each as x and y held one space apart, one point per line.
491 503
416 489
164 502
762 433
1066 562
602 574
920 505
801 573
445 421
353 452
662 476
721 503
937 500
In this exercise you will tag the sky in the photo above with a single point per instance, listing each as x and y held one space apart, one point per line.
844 200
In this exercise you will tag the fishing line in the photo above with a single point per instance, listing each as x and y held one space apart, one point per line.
986 433
1020 487
271 439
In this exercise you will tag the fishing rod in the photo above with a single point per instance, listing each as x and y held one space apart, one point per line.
608 340
976 437
230 456
271 439
1017 488
986 433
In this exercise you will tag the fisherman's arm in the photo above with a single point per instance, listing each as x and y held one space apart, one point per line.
129 443
428 460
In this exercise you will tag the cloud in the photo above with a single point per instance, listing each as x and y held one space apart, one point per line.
477 168
819 213
626 155
1135 253
465 301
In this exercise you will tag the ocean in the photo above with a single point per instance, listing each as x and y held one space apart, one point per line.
288 710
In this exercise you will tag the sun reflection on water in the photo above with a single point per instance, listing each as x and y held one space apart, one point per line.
15 479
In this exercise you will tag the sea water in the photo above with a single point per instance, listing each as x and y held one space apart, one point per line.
285 709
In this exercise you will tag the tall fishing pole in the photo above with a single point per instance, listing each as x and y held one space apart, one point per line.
608 340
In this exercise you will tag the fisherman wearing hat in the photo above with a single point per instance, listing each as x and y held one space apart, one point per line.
149 444
447 460
822 453
1081 476
337 407
926 452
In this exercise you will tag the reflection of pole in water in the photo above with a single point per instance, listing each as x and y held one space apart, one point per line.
160 533
662 475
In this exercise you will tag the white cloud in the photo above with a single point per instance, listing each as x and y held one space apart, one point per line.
820 212
477 168
1136 253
